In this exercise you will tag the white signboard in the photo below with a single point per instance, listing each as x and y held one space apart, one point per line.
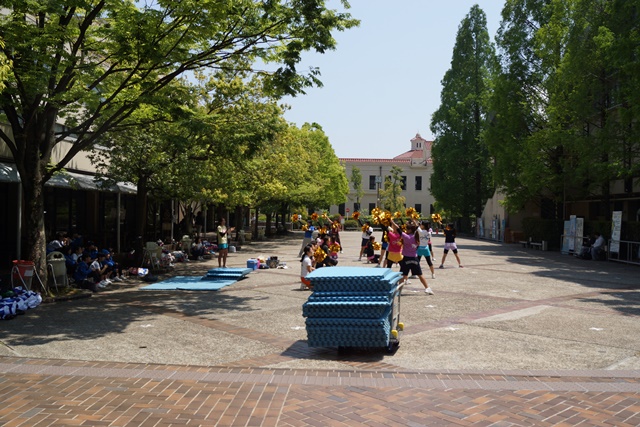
572 233
579 233
616 227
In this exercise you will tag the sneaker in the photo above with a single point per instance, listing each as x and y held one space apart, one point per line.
303 287
461 266
360 259
433 276
117 279
107 281
413 277
441 266
377 266
428 291
102 284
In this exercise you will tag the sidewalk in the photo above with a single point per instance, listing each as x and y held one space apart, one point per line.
518 337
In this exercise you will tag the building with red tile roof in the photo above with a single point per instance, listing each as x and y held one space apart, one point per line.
417 167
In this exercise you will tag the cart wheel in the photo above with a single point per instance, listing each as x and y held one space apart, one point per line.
400 326
394 333
393 346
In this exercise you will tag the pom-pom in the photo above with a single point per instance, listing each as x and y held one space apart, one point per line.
377 246
295 218
319 255
356 215
314 216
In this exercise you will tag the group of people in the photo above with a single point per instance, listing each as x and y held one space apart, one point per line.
319 250
403 247
88 266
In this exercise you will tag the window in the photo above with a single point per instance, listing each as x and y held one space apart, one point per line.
418 207
418 183
372 182
403 183
356 207
372 206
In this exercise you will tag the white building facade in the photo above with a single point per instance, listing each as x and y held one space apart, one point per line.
417 168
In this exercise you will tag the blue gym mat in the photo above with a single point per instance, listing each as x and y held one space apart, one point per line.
189 283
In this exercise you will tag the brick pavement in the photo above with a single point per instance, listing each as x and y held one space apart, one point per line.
368 388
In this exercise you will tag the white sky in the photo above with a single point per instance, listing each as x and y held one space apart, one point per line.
382 83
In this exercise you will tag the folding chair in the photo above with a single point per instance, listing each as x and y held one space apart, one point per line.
22 274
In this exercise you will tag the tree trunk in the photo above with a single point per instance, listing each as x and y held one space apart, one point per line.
267 229
141 208
31 167
36 241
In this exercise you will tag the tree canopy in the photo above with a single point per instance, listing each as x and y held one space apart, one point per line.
565 104
461 180
81 69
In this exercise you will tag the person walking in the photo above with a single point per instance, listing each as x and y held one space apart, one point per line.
450 244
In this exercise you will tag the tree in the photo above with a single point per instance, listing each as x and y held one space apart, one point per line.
391 196
461 179
594 96
356 182
89 65
5 66
518 103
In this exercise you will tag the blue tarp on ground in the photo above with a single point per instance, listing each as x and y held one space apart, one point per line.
189 283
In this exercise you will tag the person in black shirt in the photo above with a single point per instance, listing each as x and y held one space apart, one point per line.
450 244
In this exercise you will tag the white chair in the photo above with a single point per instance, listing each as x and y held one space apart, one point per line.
152 255
186 245
57 268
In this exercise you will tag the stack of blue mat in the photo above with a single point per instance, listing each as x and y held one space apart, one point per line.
350 306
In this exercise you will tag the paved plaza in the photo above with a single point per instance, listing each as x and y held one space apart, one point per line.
518 337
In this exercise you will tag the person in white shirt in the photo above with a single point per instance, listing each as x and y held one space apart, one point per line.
598 247
306 267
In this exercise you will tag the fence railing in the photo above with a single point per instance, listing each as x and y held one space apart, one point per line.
628 251
625 251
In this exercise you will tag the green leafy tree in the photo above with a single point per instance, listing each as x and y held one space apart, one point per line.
518 104
391 196
462 180
5 66
90 65
356 183
593 98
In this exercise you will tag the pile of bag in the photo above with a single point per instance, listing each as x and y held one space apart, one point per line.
18 301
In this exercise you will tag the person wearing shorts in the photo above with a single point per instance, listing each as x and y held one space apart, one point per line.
410 263
223 243
450 244
394 249
424 249
385 245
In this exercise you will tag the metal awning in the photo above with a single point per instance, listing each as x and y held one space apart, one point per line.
70 180
9 173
